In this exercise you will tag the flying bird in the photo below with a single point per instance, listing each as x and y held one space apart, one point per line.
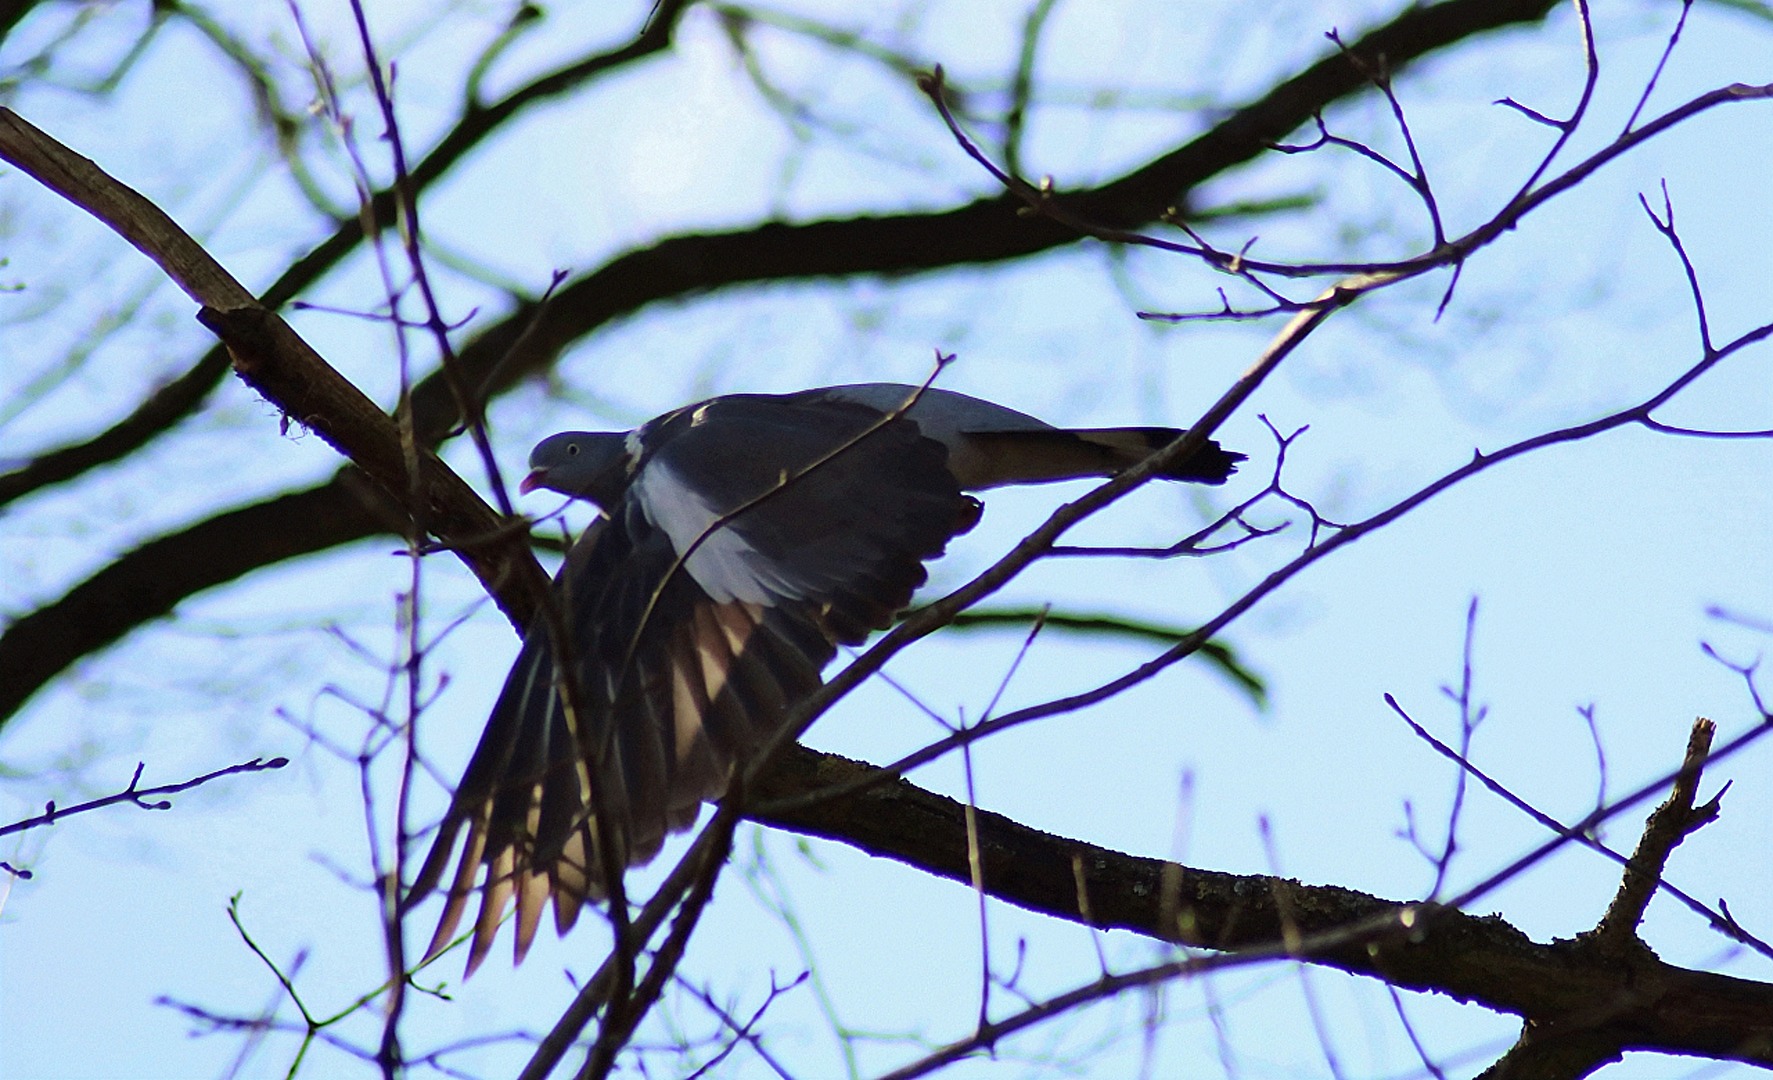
741 540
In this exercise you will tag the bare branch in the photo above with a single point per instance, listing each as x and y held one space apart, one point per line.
1669 824
143 798
1674 38
1583 834
1666 226
984 230
270 356
168 404
1427 947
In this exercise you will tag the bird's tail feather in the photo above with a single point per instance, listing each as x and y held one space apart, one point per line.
993 458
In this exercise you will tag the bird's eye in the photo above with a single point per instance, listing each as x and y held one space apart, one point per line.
572 449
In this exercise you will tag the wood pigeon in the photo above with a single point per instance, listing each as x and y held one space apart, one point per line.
742 540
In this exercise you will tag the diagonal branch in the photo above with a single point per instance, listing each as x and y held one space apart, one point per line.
1669 824
169 404
274 360
147 582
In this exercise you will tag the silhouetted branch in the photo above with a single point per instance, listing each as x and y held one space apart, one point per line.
1419 946
1638 868
151 798
985 230
274 360
172 402
1669 824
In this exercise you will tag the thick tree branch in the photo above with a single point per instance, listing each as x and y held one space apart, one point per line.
992 229
149 581
1639 1003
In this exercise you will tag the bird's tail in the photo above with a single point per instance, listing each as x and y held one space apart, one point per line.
1211 464
1040 456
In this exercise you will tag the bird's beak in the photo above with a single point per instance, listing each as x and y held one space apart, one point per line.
532 481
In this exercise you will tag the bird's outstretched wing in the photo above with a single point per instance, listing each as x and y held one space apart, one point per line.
756 533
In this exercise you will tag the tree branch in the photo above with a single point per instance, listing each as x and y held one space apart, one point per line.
139 796
1644 1004
169 404
1669 824
274 360
528 339
149 581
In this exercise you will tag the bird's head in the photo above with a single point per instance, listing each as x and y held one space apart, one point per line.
589 465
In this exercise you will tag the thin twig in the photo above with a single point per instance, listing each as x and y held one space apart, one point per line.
1580 834
141 797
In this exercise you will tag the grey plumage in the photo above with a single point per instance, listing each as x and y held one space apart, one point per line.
743 539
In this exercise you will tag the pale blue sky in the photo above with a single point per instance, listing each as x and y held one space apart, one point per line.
1595 564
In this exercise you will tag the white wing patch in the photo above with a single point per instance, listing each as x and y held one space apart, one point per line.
723 564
